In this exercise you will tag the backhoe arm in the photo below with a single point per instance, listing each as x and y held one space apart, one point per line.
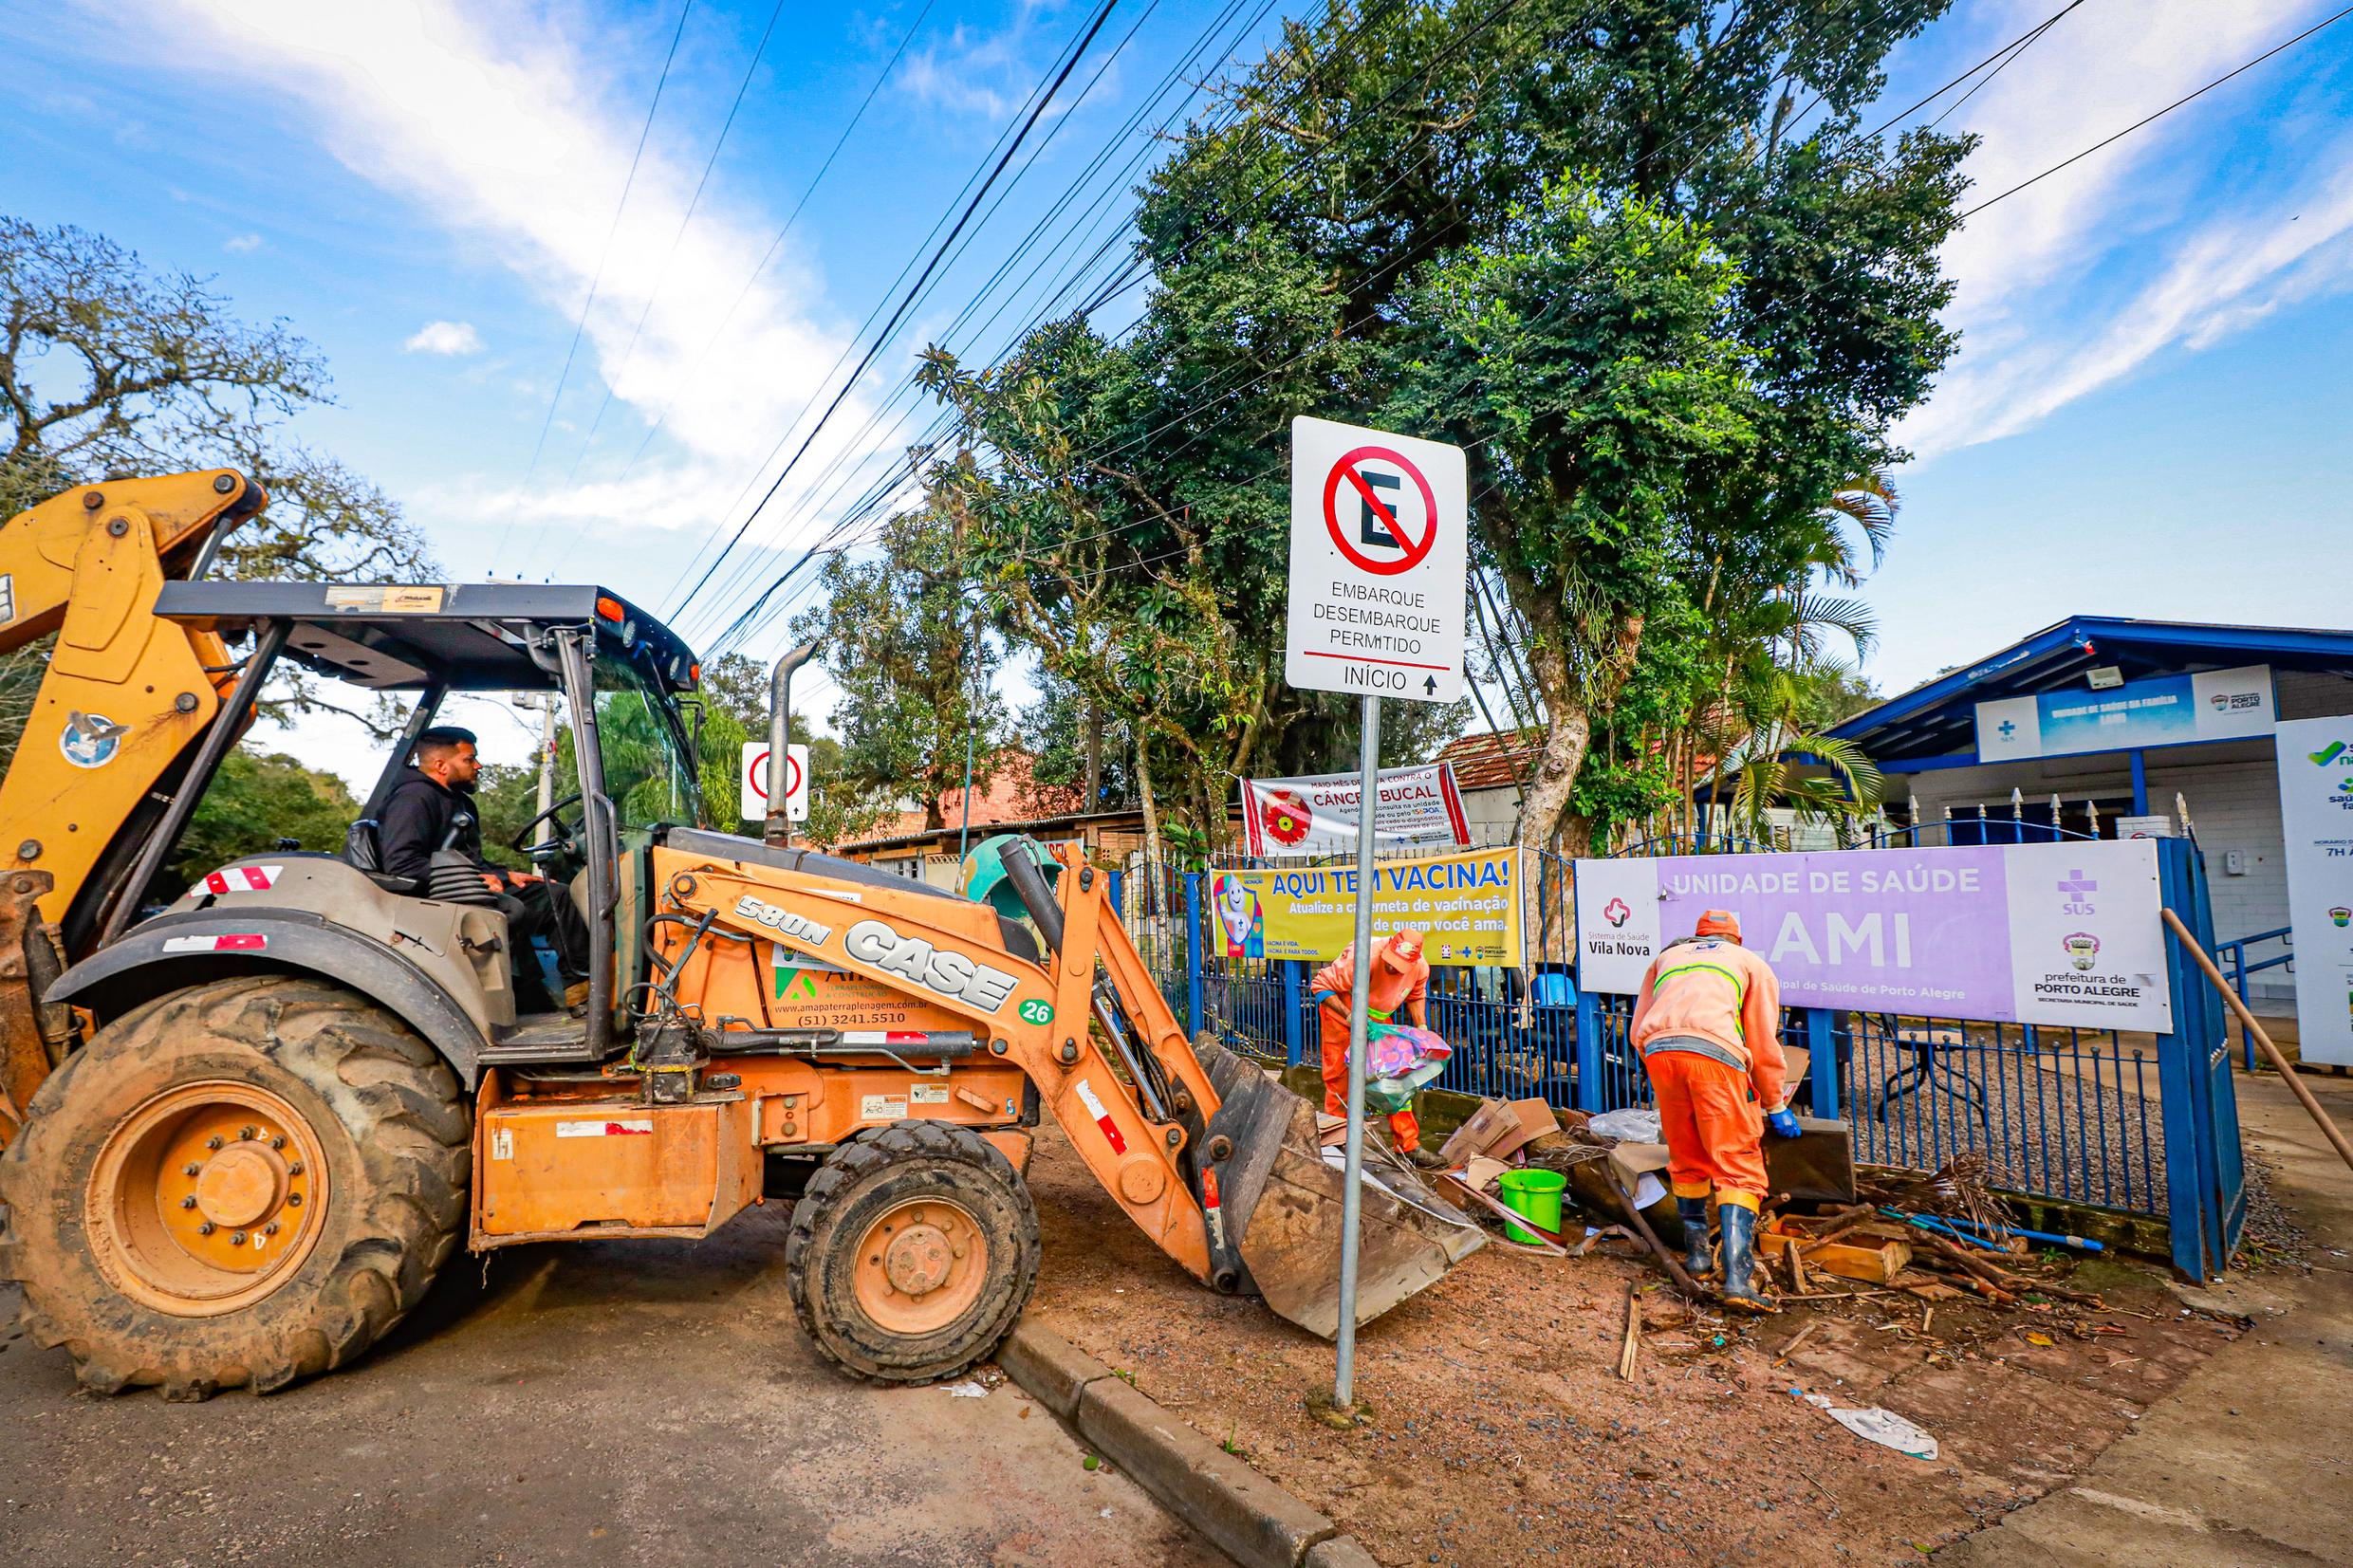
124 693
122 697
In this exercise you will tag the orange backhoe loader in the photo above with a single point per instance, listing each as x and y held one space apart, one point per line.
245 1122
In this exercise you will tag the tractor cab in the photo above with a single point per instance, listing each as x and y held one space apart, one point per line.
624 684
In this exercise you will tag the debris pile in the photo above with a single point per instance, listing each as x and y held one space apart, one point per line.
1837 1232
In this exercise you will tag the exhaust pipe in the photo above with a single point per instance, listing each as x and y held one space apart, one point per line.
777 827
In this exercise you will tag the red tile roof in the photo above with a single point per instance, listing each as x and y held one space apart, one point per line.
1011 796
1496 760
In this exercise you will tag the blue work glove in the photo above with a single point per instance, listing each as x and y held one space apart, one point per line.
1784 1125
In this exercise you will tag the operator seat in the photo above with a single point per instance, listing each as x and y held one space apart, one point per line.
364 852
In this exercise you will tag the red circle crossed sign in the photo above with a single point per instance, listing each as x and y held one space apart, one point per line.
759 774
1346 470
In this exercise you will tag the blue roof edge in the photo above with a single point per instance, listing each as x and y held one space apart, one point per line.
2095 629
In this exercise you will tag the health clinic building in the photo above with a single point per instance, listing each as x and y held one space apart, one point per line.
2117 727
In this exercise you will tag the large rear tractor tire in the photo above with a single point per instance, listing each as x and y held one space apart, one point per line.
246 1181
911 1252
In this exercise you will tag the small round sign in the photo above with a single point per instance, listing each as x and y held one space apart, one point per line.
757 774
1349 471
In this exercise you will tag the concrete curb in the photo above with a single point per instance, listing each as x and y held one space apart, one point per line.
1241 1512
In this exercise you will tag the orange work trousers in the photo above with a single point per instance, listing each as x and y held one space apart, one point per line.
1715 1131
1404 1131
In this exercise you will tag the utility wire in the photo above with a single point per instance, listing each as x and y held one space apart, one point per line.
597 280
861 442
1173 77
2277 48
1102 15
662 273
785 436
794 216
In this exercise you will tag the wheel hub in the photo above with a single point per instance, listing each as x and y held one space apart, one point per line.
240 1184
920 1265
918 1260
206 1198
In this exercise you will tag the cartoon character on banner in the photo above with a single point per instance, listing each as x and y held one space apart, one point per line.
1239 916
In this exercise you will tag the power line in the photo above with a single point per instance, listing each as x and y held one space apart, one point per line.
2278 48
906 382
860 442
785 435
769 256
661 274
604 255
1102 15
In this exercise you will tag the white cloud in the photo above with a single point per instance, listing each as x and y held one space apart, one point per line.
445 338
2081 279
504 130
239 245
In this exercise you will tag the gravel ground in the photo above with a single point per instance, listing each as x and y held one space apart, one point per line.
1502 1434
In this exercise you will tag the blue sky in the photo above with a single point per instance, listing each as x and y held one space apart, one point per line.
2146 419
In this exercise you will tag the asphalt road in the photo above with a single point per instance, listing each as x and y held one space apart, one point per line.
617 1403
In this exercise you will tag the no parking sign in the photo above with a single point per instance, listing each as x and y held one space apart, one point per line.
752 776
1378 563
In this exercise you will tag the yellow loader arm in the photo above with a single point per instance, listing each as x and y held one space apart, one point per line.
122 699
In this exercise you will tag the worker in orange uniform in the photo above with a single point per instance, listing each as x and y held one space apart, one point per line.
1707 1023
1398 990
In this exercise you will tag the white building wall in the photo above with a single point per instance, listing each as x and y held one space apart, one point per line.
2231 789
1492 814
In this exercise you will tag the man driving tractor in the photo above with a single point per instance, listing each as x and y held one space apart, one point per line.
432 809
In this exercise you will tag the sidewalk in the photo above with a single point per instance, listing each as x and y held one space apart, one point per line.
2246 1464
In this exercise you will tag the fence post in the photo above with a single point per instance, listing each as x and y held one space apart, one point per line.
1119 904
1290 1011
1822 1060
1192 953
1588 1096
2190 1175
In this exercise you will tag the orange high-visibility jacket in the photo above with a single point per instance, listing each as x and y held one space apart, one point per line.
1388 993
1714 990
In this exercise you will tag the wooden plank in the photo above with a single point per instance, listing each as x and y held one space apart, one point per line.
1877 1264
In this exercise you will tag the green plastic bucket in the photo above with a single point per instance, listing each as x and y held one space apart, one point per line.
1535 1197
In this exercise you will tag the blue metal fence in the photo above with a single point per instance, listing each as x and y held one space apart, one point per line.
2142 1124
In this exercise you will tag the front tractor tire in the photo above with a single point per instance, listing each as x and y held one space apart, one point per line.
911 1252
243 1183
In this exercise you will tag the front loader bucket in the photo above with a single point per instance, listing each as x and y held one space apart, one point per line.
1278 1200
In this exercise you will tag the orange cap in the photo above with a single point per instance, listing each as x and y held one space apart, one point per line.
1718 923
1402 950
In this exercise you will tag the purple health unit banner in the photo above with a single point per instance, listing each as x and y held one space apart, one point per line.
2066 933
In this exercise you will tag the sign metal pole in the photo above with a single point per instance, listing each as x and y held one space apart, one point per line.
1360 1002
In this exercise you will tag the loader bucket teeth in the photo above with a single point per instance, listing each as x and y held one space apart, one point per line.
1280 1200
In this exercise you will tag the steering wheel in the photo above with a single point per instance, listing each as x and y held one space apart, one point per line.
567 840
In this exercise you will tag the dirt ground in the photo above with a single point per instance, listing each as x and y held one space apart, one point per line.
595 1403
1502 1434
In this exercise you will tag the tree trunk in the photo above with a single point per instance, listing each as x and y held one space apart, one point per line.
1094 756
1565 738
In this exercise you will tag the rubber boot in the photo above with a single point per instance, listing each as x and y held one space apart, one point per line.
1699 1257
1738 1290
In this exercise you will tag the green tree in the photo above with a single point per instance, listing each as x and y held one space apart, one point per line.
109 368
900 634
1637 258
257 800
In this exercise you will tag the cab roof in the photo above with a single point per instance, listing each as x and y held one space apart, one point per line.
468 637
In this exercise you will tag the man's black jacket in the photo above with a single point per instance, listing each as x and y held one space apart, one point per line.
416 822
